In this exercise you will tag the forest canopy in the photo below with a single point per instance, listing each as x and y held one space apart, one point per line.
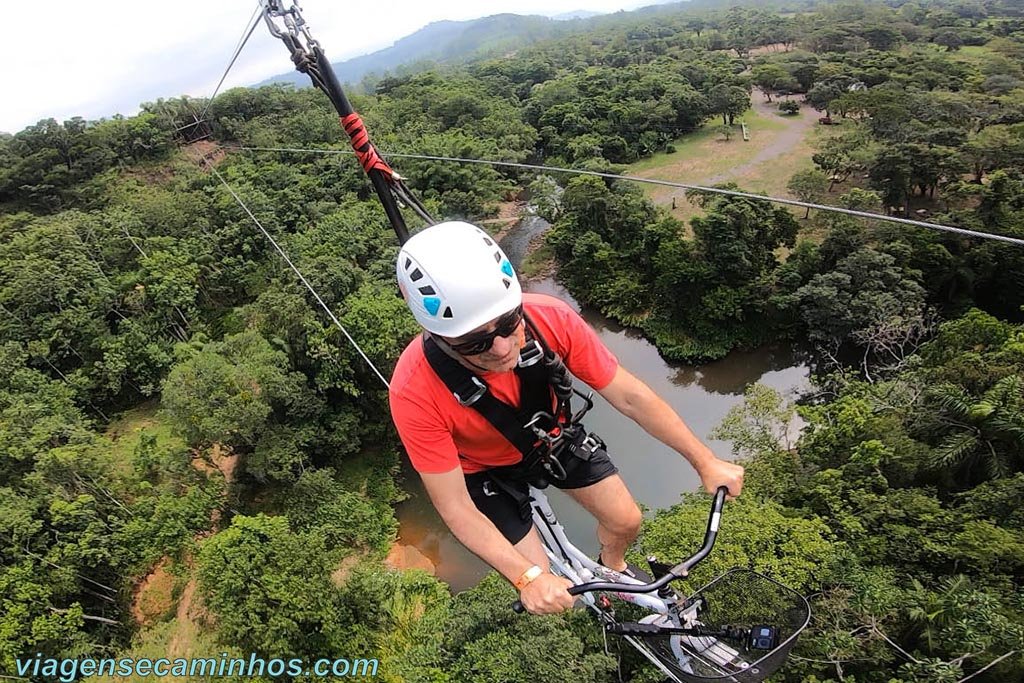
174 405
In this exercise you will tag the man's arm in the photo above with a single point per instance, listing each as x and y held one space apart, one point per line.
636 400
447 491
544 595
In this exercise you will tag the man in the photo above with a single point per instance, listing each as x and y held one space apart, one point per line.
462 289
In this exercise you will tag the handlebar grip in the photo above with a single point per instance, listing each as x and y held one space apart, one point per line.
633 629
720 495
518 607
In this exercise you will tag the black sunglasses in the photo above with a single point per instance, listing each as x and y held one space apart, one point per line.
505 326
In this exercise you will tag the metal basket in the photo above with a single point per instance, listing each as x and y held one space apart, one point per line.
738 597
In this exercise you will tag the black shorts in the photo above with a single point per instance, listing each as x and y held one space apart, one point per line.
502 509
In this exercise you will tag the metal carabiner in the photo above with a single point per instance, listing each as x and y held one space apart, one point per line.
588 403
560 475
541 433
294 23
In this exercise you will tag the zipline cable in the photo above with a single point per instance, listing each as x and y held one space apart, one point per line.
261 14
301 277
254 20
654 181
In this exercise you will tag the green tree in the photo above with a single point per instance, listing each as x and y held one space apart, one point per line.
728 100
748 539
241 393
270 588
545 198
763 423
995 147
823 94
738 237
808 186
479 638
773 78
30 620
864 292
987 431
949 38
789 107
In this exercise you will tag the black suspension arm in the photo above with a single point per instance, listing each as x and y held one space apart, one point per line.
309 58
381 183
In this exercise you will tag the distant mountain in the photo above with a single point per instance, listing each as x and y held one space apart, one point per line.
443 41
454 42
576 14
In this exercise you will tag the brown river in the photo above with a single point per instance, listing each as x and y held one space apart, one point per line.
655 474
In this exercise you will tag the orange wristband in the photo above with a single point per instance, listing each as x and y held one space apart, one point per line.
528 576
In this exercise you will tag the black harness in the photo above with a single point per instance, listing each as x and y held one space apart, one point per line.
543 428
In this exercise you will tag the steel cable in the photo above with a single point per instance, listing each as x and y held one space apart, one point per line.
654 181
254 20
301 277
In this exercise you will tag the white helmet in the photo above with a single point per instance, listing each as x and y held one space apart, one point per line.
455 278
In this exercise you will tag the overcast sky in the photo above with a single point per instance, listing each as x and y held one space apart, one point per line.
76 58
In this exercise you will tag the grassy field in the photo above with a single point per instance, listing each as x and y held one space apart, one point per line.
126 431
704 153
779 147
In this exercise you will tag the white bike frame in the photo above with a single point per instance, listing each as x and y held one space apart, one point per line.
569 561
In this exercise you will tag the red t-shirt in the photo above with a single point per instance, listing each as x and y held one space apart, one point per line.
439 434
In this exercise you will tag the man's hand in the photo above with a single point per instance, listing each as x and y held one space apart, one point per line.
715 473
636 400
547 594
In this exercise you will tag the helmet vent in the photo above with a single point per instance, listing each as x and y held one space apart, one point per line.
408 262
447 313
416 275
497 257
427 290
508 283
488 242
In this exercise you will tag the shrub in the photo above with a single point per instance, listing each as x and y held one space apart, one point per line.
789 107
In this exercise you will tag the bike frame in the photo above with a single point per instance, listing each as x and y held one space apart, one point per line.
575 565
572 563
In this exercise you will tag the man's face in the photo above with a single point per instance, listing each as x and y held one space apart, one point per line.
495 345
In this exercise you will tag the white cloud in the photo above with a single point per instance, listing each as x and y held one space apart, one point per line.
94 60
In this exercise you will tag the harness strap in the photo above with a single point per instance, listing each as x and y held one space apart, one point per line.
470 391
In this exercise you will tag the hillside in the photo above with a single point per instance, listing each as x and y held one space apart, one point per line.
445 42
458 42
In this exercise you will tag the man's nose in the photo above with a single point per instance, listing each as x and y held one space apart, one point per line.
502 346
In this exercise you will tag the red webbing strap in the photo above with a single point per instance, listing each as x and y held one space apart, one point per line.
364 149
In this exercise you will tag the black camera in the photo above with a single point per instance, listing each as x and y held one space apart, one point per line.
763 638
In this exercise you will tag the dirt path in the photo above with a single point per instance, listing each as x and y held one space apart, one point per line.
779 146
782 142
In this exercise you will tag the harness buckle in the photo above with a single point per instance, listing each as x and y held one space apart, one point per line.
591 444
531 354
480 390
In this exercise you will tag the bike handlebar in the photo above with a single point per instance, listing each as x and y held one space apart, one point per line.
677 572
